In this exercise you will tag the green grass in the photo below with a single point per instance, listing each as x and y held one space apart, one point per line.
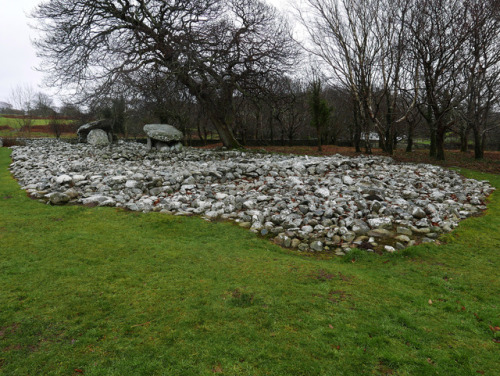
15 126
18 123
101 291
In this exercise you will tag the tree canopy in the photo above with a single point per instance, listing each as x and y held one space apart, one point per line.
215 48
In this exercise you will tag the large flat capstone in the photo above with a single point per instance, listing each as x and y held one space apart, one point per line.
163 132
85 129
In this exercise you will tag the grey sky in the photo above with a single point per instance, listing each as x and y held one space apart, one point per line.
17 55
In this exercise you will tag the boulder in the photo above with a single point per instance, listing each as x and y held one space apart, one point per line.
322 192
346 179
58 198
64 179
380 222
316 246
163 136
72 193
390 249
360 227
380 233
98 137
1 142
404 231
98 200
418 213
403 238
85 129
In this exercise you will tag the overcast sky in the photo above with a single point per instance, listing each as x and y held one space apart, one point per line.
17 56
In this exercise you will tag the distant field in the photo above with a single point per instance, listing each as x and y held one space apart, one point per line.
11 126
16 122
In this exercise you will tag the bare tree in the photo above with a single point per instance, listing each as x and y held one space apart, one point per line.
342 37
482 71
437 36
287 104
395 74
43 105
22 98
363 43
215 48
55 124
412 120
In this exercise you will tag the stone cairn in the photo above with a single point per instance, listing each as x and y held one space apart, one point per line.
312 204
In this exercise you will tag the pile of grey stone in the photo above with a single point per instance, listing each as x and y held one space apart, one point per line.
331 203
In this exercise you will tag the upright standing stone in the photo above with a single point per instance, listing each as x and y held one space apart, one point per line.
98 137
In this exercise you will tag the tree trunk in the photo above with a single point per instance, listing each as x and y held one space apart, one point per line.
271 130
200 135
291 134
258 124
440 144
409 141
357 136
318 132
464 147
357 129
433 147
389 149
432 131
389 128
381 141
478 144
222 116
357 139
464 139
368 146
225 133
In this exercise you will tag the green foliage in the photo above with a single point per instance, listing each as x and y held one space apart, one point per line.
102 291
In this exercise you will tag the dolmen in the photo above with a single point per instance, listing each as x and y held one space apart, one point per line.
163 137
97 133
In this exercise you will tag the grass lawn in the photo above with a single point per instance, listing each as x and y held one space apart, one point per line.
101 291
18 123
